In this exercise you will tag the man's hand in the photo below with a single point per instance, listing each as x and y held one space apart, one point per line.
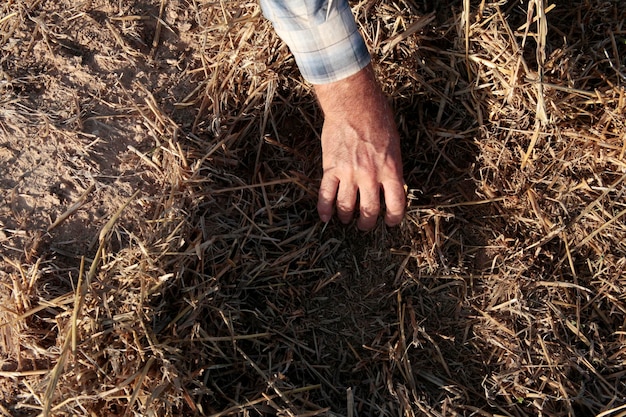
360 152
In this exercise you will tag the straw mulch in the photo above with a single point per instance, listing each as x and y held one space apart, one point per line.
181 269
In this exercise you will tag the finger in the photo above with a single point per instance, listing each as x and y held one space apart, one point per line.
346 201
395 202
326 198
370 206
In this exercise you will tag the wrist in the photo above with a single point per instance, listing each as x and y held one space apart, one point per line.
355 94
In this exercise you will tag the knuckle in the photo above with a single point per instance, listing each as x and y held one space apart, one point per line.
369 210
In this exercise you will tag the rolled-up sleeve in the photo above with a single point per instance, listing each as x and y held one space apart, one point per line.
322 36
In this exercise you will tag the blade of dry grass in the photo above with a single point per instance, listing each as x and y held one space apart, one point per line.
73 208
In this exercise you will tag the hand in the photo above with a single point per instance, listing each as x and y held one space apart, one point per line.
360 152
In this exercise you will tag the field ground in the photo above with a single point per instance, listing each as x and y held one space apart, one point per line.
161 254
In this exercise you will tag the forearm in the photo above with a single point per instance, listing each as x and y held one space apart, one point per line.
356 96
360 142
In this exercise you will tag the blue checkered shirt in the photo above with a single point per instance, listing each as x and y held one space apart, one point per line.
322 36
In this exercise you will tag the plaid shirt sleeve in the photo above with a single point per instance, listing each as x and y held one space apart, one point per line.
322 36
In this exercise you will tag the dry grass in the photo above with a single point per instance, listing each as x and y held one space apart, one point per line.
181 268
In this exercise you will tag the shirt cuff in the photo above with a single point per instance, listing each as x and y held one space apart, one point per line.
324 40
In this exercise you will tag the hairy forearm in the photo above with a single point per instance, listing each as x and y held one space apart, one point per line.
346 97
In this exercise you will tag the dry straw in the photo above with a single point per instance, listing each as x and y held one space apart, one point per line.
214 290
